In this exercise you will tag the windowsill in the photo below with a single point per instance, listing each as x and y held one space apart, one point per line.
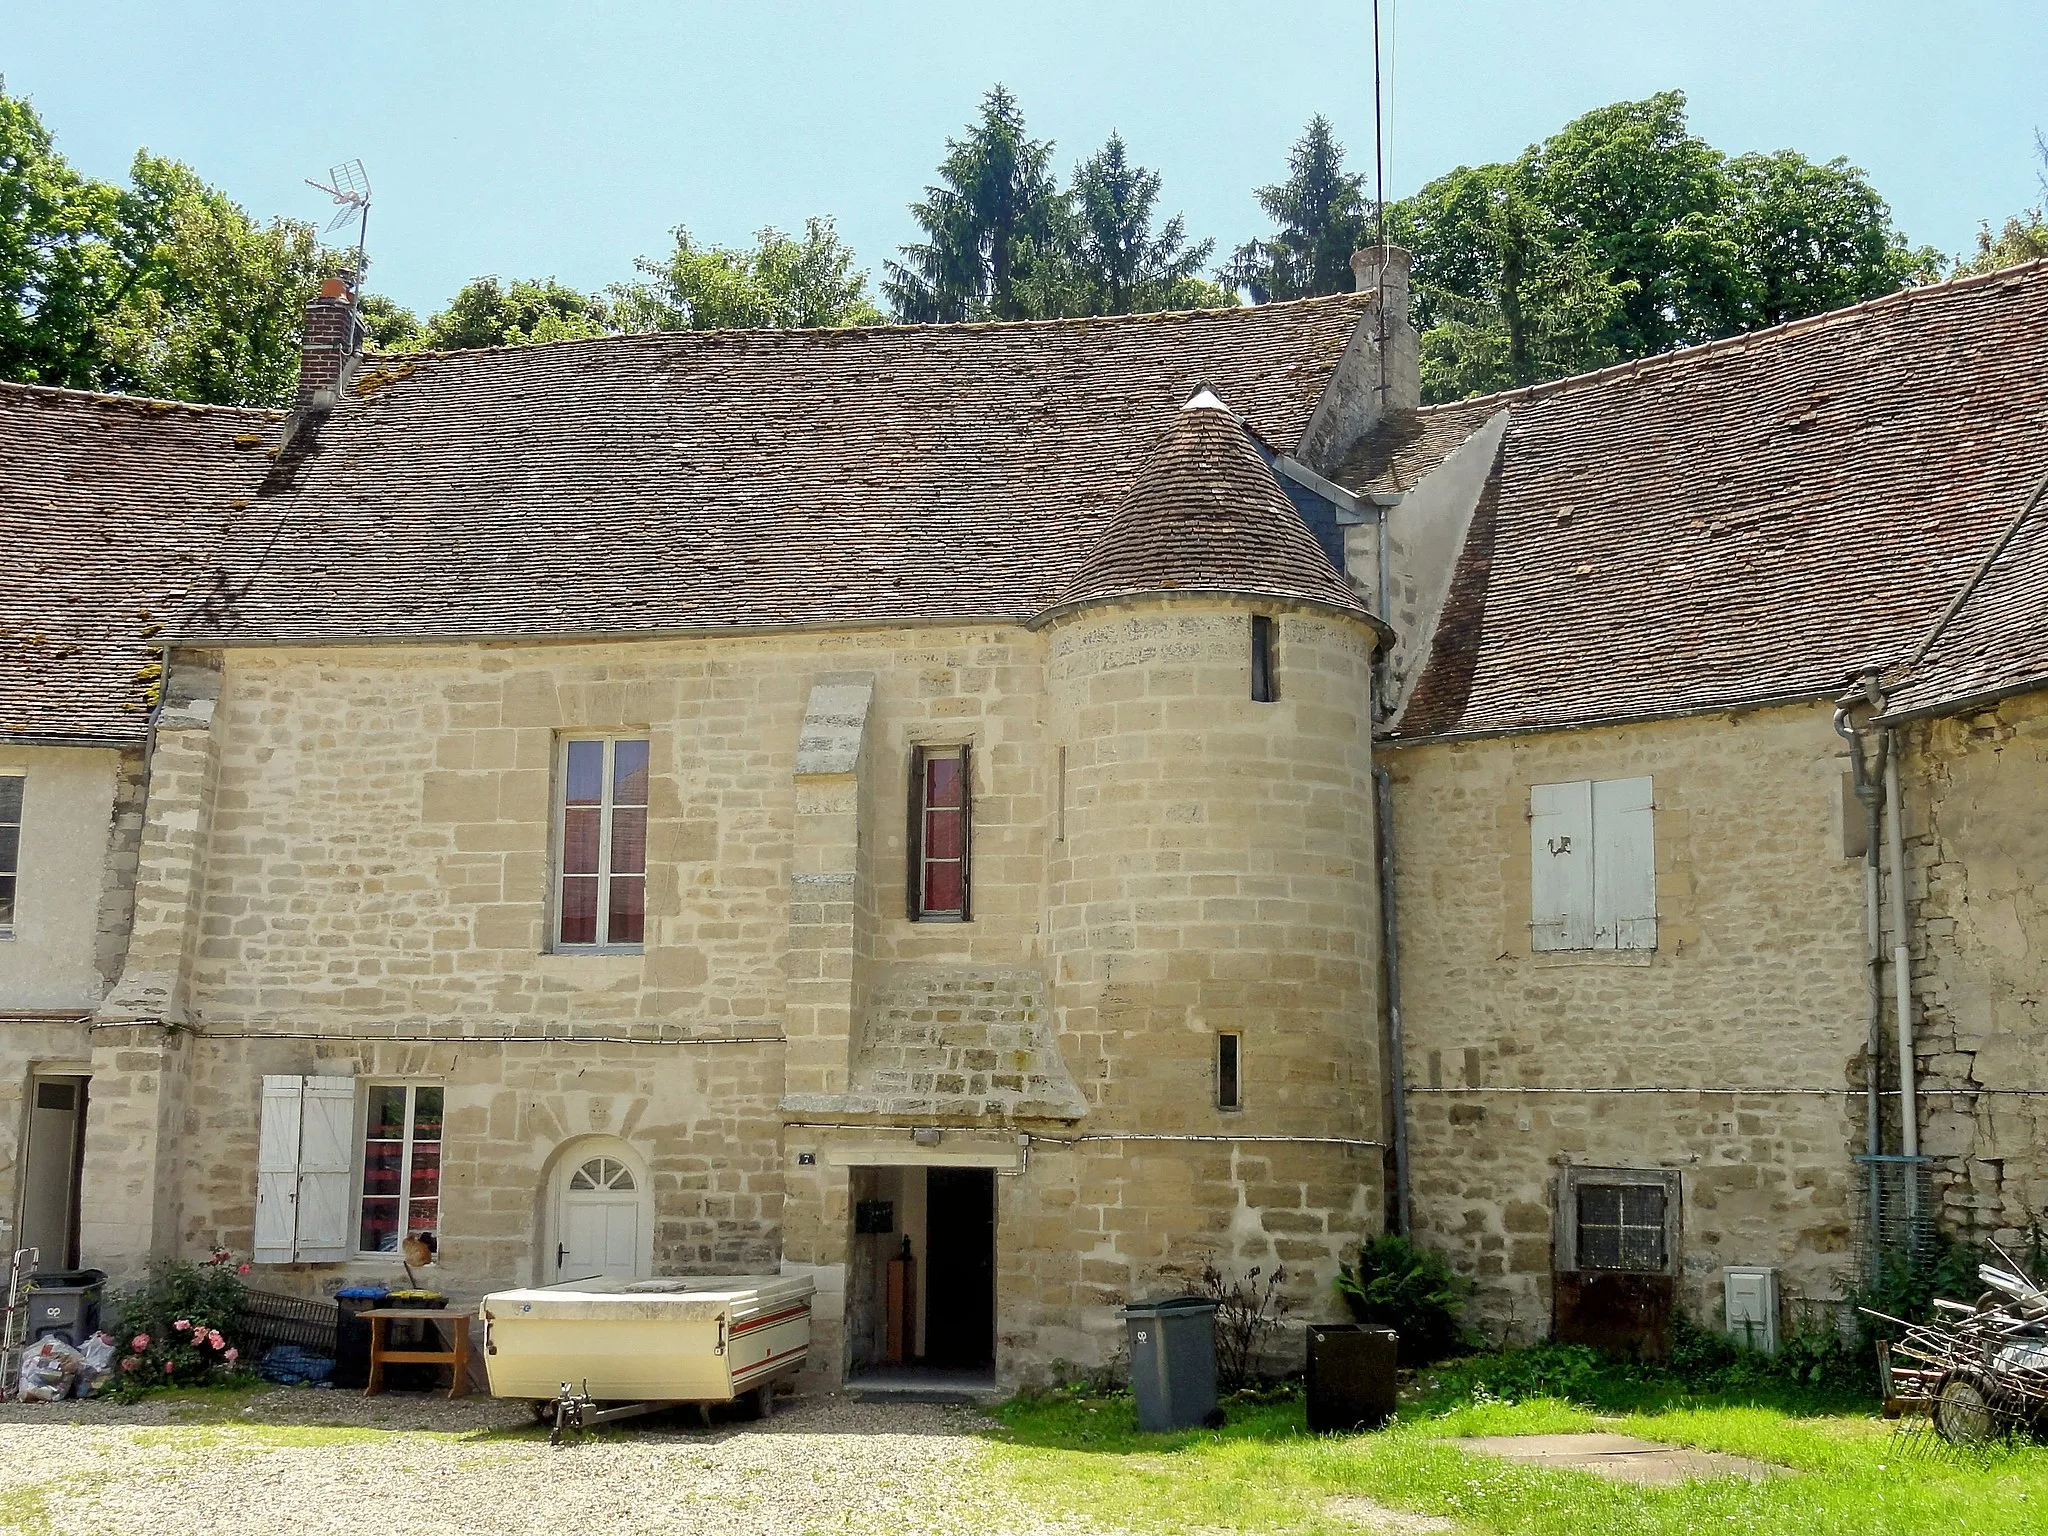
598 952
1623 957
939 917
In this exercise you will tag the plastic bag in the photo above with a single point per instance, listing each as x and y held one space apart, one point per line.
96 1363
47 1371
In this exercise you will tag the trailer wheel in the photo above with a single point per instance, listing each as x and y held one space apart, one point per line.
761 1401
1966 1409
542 1408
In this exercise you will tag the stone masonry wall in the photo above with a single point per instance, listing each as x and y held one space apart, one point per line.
1757 981
378 867
1976 799
1217 874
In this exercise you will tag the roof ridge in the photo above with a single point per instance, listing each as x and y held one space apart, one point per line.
809 332
1659 361
153 403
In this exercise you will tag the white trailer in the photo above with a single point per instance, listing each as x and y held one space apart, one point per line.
594 1350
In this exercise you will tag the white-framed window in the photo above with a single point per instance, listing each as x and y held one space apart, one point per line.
1618 1220
600 895
13 787
941 827
398 1194
1592 865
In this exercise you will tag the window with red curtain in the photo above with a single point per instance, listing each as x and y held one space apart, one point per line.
601 862
940 826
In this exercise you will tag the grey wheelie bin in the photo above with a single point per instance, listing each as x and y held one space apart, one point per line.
1173 1362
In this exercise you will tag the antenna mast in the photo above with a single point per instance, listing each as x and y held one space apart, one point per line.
349 185
1379 196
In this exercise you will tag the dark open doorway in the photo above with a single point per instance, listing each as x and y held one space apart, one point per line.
960 1313
51 1167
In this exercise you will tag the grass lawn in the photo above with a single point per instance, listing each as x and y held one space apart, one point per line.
1264 1472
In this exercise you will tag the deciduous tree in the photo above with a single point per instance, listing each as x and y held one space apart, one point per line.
489 313
781 282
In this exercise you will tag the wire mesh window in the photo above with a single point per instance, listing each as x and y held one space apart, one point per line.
1621 1226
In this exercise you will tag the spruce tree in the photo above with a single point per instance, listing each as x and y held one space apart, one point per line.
995 213
1323 214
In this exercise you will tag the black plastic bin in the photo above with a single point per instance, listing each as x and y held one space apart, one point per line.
65 1304
352 1334
1173 1362
1350 1376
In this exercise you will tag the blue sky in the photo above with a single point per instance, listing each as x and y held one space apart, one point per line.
547 139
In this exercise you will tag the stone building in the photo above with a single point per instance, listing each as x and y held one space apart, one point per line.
754 800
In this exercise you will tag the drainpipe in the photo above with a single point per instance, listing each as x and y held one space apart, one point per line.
1390 952
1902 959
1868 794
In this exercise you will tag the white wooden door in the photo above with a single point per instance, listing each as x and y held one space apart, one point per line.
599 1224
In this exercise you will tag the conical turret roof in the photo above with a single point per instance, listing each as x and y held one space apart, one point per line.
1207 515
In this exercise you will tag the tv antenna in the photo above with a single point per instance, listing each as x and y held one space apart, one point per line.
349 185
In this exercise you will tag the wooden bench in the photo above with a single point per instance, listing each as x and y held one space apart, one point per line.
456 1358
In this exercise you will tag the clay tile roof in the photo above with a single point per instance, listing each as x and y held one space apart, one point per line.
893 474
110 508
1752 520
1205 514
1994 639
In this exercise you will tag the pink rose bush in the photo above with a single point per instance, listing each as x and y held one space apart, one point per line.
184 1321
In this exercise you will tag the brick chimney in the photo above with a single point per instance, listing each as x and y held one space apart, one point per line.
333 341
1380 374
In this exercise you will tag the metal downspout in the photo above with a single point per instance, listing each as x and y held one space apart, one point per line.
1868 794
1390 953
1902 957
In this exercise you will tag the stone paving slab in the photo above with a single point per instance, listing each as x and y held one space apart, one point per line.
1621 1457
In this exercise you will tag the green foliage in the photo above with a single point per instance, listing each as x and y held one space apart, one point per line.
1623 235
1324 215
1106 258
163 287
994 215
1410 1289
2024 237
782 282
180 1327
218 300
388 326
487 313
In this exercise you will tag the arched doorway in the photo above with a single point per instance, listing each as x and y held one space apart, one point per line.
601 1215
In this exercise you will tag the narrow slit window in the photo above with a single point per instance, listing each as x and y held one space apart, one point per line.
11 787
940 826
601 860
1060 826
1263 689
1229 1086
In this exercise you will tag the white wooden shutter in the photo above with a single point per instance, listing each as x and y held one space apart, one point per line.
327 1124
1624 865
277 1172
1561 866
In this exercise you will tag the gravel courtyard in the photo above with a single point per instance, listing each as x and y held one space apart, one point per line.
303 1462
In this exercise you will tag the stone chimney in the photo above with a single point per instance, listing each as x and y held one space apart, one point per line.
1384 269
1380 374
333 341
